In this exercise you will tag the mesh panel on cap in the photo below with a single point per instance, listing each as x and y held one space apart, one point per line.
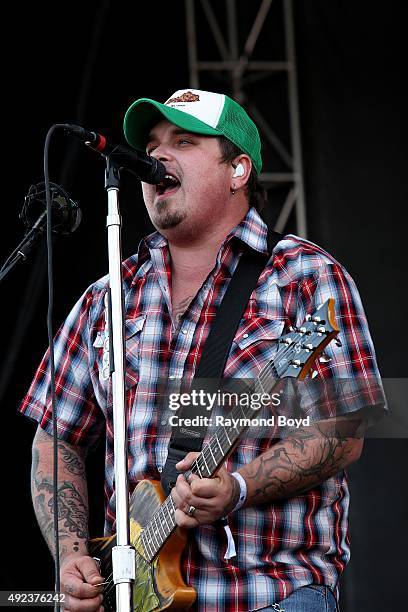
239 128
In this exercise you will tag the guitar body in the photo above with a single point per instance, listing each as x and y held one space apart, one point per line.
158 585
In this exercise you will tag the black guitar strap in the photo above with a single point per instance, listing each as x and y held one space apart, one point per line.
214 355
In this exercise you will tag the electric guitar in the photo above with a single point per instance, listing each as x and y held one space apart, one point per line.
157 540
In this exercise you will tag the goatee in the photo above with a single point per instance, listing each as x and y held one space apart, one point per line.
165 219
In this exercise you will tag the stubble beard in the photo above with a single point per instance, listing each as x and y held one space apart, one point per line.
165 219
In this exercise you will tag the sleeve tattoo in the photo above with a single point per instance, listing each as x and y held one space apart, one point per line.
301 461
72 498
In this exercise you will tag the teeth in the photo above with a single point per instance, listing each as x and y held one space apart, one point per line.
171 178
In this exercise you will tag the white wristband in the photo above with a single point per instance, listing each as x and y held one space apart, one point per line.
243 490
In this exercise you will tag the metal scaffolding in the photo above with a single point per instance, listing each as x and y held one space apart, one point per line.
243 76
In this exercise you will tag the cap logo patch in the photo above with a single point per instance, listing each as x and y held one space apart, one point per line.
187 96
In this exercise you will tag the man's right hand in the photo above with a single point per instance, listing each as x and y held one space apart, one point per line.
79 575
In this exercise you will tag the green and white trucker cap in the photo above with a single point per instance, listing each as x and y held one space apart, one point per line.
200 112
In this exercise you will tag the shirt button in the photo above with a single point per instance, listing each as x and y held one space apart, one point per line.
184 331
245 336
160 469
172 377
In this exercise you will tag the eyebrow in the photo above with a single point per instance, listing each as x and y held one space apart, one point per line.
176 132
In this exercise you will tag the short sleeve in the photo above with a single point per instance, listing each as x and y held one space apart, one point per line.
79 419
348 379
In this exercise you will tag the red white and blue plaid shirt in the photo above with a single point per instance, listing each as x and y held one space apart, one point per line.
281 545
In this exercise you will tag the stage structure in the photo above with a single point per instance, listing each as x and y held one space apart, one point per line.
267 87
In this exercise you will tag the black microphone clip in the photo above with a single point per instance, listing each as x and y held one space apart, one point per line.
147 169
66 214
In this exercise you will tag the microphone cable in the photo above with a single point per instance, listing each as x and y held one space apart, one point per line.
50 133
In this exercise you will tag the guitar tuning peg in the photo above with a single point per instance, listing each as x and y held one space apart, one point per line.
324 358
315 373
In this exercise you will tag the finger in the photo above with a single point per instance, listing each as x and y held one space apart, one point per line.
77 588
205 488
183 520
183 496
74 604
180 491
188 460
89 570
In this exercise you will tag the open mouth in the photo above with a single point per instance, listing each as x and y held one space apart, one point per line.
168 185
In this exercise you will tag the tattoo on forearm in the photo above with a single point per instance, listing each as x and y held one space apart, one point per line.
298 463
72 462
72 509
71 499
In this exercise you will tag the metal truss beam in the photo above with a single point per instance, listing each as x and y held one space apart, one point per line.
238 70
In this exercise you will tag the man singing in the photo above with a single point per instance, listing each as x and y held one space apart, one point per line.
286 499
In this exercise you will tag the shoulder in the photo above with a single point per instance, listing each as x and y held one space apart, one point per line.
92 302
295 257
294 248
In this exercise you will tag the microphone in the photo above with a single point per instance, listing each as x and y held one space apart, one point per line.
66 214
148 169
65 218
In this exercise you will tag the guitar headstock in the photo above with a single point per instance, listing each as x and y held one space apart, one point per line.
299 348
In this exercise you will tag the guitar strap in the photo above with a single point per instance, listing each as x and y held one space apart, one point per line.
214 356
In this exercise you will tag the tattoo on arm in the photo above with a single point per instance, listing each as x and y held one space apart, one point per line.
73 463
71 494
301 461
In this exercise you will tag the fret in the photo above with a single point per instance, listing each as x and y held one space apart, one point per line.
155 534
212 455
170 512
152 545
205 463
225 431
159 526
219 445
146 543
164 516
198 468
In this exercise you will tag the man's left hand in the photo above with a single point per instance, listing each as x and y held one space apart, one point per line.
212 498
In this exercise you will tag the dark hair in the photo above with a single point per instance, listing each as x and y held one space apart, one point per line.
254 190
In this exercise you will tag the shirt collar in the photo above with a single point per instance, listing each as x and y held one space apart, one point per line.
252 230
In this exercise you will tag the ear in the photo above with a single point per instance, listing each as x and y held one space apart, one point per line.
241 167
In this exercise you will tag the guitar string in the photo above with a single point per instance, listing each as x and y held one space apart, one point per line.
224 437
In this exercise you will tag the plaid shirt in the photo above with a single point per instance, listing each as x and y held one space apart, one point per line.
281 545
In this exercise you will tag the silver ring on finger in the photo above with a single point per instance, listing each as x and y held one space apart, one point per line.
191 510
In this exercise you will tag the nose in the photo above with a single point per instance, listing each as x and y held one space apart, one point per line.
162 152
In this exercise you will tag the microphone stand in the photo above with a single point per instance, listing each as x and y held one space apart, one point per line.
123 554
22 251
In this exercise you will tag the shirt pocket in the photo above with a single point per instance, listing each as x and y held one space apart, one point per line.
258 329
255 344
133 330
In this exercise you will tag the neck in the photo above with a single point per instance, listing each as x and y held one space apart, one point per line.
195 254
